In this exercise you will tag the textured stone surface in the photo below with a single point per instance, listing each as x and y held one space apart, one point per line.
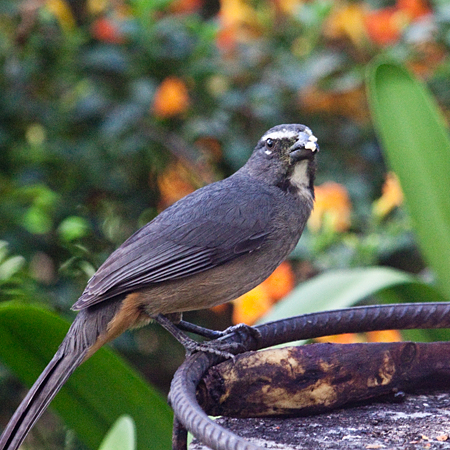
420 421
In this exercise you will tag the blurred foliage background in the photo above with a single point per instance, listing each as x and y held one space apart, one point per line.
112 110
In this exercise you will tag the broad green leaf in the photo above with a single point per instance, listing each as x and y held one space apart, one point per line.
414 292
336 289
99 391
343 288
415 140
73 227
11 266
121 436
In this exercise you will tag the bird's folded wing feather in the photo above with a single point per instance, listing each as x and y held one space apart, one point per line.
176 245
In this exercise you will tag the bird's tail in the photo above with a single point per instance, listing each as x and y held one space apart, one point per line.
39 397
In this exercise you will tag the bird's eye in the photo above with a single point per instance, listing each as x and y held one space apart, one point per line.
269 143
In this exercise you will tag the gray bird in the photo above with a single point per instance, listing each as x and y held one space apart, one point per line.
208 248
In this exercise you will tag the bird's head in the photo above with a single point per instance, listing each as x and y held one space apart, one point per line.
285 157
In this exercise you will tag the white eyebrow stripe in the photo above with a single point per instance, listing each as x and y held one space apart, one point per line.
283 134
286 134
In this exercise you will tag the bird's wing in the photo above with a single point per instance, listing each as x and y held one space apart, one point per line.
181 242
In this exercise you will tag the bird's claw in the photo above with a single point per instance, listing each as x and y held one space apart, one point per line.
217 348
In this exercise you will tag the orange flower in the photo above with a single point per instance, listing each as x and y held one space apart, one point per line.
414 8
105 30
371 336
281 282
332 208
384 336
345 338
385 25
251 306
174 183
238 23
392 196
347 21
171 98
248 308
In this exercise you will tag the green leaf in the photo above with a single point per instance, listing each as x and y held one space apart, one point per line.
415 140
121 436
343 288
10 267
414 292
3 250
100 391
36 220
336 289
73 227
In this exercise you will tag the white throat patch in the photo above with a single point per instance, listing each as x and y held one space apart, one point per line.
300 178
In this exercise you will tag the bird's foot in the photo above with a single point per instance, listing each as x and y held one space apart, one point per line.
214 347
244 329
215 334
224 349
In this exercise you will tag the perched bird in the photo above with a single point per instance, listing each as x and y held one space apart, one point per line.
208 248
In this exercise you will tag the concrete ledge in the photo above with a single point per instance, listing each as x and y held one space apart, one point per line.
419 421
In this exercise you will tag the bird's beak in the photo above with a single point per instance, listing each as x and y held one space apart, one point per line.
305 147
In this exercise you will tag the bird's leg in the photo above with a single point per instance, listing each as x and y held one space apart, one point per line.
200 331
192 346
215 334
176 319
